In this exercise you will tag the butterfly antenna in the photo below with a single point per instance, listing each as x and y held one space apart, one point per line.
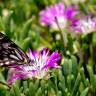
62 52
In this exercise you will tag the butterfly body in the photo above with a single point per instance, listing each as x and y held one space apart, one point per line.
10 53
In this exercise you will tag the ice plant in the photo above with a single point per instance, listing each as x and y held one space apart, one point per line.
84 25
57 17
57 13
37 68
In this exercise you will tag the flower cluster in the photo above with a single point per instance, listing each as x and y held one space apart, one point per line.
38 67
57 14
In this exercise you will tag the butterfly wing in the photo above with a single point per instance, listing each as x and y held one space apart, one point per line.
10 53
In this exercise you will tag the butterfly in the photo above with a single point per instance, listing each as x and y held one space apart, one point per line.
10 53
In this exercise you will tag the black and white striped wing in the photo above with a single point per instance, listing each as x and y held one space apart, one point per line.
10 53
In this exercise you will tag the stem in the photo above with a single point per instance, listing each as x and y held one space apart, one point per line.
63 34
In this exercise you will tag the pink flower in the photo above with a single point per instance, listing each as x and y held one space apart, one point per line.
38 67
48 15
84 25
58 13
